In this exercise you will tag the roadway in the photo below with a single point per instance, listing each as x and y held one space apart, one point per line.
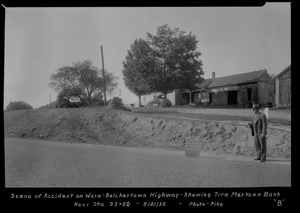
37 163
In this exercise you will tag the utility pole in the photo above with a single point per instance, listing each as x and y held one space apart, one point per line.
50 100
103 77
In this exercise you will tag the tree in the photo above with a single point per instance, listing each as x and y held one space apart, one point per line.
136 66
17 105
177 63
81 82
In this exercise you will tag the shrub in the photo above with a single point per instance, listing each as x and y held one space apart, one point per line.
17 105
117 103
96 102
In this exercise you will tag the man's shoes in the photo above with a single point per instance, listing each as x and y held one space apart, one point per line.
257 158
263 158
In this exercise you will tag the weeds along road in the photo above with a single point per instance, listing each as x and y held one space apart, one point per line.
34 163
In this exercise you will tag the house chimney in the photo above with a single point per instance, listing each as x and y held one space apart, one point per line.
213 75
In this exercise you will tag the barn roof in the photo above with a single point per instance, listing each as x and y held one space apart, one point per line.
204 84
284 71
242 78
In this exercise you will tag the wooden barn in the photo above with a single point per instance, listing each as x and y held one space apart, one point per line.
283 88
241 90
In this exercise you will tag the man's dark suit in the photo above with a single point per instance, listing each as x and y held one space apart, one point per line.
259 122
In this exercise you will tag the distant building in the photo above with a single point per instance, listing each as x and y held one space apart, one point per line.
241 90
283 88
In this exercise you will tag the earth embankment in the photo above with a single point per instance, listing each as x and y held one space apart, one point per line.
123 128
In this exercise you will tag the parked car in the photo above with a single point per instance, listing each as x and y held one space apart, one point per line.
160 101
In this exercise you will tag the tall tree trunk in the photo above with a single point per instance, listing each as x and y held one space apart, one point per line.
165 94
140 102
89 99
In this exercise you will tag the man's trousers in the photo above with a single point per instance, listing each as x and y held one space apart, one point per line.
260 146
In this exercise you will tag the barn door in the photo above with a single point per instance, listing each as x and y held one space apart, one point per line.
232 98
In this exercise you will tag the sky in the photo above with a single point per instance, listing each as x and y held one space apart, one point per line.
232 40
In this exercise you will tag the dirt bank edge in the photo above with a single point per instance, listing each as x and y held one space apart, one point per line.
122 128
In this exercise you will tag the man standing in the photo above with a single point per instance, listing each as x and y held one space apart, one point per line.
259 126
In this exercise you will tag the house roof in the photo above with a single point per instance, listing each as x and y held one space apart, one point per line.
242 78
283 72
204 84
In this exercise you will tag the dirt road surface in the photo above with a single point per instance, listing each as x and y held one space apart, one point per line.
34 163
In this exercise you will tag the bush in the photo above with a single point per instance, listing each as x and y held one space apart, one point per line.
96 102
117 103
17 105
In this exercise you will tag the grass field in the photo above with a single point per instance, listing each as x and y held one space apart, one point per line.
276 116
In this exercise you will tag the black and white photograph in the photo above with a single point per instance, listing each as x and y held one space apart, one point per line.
181 106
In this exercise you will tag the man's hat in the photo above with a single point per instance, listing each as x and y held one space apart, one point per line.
255 106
